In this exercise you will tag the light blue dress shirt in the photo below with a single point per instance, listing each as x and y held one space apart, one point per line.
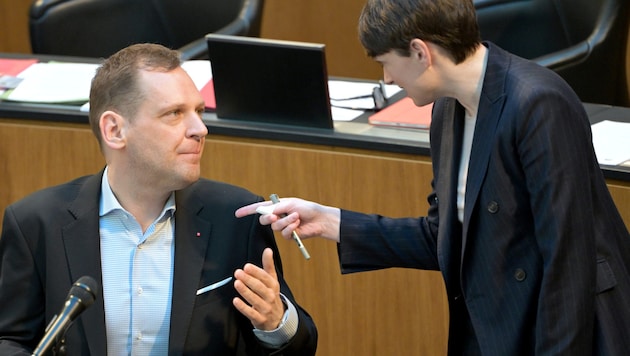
137 277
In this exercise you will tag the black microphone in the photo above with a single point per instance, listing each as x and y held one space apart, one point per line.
81 295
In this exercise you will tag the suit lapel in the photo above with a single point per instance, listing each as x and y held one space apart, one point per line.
446 188
488 115
192 236
82 245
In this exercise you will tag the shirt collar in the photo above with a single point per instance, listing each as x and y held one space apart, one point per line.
109 203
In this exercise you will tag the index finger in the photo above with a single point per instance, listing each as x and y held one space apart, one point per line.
249 209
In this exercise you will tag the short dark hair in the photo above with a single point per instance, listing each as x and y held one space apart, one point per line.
386 25
115 85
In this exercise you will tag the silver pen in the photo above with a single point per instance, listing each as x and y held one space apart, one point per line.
274 199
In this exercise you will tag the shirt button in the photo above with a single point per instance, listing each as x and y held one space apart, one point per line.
520 274
140 290
139 336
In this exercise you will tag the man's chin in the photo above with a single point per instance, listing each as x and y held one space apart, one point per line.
188 178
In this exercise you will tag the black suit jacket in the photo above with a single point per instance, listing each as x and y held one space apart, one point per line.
50 239
541 262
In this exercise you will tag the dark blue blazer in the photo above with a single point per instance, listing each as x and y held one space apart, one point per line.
51 238
540 264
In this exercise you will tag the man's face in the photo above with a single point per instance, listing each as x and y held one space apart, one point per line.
165 139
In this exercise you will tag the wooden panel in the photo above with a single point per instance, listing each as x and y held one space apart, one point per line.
388 312
35 156
14 23
324 21
620 192
361 314
331 22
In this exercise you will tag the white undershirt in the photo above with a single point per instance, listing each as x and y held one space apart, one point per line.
469 131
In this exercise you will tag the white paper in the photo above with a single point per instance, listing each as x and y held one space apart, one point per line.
356 95
342 89
340 114
199 70
611 140
55 82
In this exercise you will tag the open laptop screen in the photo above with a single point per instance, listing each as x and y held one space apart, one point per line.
270 81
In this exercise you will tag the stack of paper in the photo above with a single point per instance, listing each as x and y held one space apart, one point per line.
201 73
54 82
610 140
10 69
350 99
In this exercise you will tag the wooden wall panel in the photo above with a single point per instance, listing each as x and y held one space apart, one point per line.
14 24
387 312
34 157
331 22
325 21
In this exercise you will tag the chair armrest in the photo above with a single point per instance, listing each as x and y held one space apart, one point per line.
241 26
198 49
566 57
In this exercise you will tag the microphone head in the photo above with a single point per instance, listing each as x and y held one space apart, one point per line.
85 289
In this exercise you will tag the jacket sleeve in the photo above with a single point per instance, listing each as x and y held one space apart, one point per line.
21 297
561 171
304 342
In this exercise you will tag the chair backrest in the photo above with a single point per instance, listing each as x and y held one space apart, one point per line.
582 40
98 28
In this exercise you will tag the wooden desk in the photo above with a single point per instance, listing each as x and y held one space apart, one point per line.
376 313
389 312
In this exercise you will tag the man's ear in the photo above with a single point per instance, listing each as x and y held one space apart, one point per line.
420 50
113 129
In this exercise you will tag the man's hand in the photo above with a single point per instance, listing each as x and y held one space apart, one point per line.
260 293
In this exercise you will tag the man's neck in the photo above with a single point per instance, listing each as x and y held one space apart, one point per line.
144 201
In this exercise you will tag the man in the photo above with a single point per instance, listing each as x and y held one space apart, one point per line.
534 254
179 274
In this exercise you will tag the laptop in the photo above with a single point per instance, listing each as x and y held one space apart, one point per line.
270 81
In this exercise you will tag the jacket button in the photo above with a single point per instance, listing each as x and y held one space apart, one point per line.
520 274
493 207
